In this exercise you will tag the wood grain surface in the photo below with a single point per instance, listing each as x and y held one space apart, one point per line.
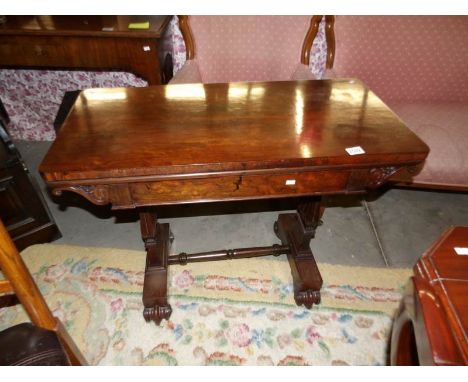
196 128
88 25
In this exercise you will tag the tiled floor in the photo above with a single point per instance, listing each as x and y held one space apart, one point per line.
406 221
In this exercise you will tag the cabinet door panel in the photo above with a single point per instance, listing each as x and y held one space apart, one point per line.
22 208
12 210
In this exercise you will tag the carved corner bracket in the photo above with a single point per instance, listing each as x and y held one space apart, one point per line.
97 194
378 176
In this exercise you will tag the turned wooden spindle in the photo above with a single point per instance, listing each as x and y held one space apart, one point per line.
228 254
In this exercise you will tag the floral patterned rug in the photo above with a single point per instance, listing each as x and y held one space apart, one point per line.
240 312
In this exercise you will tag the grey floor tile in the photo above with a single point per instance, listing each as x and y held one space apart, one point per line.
344 238
80 222
346 235
81 227
206 233
409 221
33 153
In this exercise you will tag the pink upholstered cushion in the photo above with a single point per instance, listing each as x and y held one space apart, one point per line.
330 74
444 128
405 57
188 74
302 72
248 48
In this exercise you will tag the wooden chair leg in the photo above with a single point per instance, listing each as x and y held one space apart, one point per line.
28 294
74 354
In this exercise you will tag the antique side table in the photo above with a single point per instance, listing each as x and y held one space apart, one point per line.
146 147
432 324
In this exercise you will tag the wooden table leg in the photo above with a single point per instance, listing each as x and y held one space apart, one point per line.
157 239
296 230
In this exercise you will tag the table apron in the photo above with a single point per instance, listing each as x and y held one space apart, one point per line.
132 194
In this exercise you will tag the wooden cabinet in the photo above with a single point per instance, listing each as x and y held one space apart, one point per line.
23 209
87 43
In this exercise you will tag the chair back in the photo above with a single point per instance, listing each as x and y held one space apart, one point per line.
248 48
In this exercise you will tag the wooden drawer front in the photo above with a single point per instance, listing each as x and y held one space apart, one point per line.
237 187
34 52
69 51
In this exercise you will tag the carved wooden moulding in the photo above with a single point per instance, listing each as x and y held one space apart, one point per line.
131 194
378 176
97 194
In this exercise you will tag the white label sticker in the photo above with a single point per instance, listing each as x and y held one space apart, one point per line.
356 150
290 182
461 250
146 48
107 29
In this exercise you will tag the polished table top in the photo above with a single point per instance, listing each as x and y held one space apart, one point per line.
205 128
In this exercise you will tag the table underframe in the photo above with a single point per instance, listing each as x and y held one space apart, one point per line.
295 230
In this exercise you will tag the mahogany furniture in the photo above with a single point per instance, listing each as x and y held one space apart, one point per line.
19 281
432 324
83 42
147 147
22 206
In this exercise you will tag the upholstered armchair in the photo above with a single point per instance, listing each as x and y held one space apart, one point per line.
418 66
246 48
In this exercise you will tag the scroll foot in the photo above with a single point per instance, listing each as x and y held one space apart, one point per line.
157 313
307 298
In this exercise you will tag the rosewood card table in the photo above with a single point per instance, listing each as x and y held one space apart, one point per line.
147 147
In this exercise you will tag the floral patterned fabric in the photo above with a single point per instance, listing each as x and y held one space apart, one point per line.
222 315
32 97
173 44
